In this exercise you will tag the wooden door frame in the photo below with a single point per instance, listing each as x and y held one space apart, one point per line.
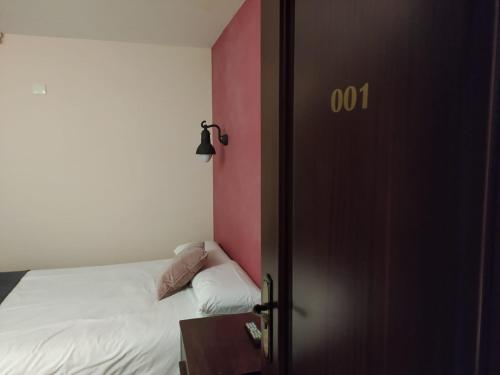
276 112
487 359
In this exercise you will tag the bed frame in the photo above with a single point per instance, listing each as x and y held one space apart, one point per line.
8 281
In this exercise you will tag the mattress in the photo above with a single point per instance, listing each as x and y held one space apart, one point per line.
93 320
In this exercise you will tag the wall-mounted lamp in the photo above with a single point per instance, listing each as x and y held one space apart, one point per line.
205 150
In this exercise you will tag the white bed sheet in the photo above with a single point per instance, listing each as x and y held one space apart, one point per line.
93 320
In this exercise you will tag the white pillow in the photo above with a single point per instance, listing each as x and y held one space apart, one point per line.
215 254
184 246
222 287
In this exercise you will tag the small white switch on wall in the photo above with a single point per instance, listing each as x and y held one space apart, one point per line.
39 89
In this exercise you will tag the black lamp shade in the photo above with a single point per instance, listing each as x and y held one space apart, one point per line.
205 150
205 147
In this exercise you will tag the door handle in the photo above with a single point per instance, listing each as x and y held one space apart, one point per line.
266 315
258 309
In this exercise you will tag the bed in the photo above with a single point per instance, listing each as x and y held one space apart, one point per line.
93 320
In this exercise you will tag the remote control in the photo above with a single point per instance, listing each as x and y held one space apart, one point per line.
254 333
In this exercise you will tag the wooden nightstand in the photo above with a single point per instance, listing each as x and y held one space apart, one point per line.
218 345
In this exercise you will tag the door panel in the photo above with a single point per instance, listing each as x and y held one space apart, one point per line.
387 192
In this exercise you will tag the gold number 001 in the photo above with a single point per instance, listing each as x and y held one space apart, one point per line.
347 99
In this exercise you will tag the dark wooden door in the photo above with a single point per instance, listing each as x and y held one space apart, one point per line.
386 139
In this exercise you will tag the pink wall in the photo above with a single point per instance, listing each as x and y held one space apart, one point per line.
236 108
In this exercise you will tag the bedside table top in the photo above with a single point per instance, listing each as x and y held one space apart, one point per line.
219 345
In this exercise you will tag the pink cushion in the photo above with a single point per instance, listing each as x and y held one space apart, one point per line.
180 272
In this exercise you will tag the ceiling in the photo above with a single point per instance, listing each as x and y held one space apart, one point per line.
195 23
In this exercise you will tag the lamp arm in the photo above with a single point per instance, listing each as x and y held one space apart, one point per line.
223 138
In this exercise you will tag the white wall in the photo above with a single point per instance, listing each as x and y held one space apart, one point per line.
102 168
